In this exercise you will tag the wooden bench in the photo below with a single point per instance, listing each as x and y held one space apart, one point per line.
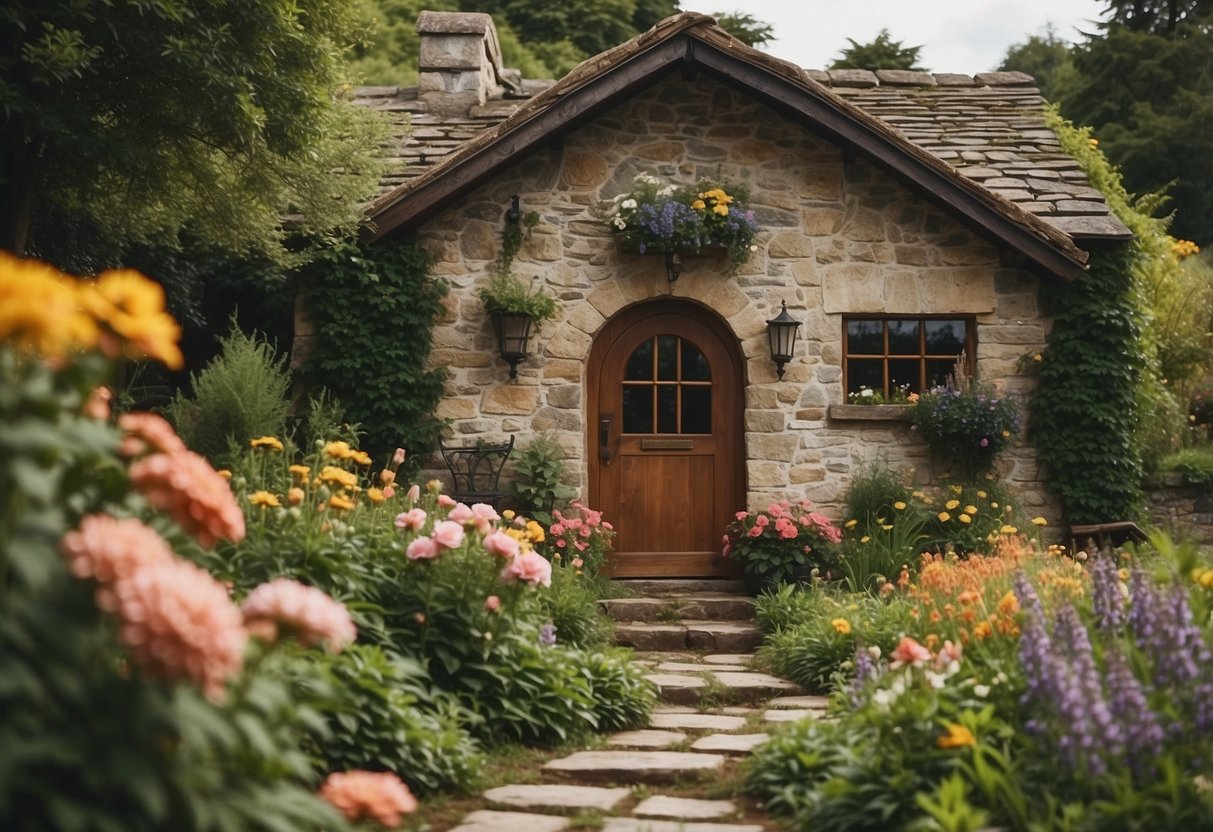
1106 535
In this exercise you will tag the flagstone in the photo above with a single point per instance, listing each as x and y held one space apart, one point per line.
789 714
729 658
697 722
811 702
694 667
557 796
646 738
735 744
644 825
678 688
755 685
684 808
486 820
636 766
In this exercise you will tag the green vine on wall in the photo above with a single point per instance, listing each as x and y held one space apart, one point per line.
373 312
1086 408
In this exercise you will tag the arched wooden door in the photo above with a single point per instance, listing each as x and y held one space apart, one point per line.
665 423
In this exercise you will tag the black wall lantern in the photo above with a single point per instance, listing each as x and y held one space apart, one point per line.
513 333
782 332
673 265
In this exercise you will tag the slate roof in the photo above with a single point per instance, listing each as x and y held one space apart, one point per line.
988 128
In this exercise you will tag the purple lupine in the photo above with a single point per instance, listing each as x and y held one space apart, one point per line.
1143 732
1180 647
1106 601
1144 612
865 671
547 635
1029 601
1091 725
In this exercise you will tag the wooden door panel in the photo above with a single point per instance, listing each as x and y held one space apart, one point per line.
650 490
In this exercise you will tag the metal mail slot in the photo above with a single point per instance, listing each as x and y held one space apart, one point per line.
667 444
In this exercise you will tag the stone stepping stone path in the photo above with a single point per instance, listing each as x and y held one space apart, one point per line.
698 640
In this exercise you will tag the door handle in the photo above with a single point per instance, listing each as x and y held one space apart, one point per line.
604 437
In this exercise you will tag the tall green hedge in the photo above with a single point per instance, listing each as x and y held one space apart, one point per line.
372 312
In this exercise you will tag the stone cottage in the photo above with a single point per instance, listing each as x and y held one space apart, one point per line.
904 218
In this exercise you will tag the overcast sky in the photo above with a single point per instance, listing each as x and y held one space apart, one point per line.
969 36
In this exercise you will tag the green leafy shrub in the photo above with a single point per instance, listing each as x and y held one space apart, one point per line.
1195 465
871 493
506 293
571 605
623 697
239 395
538 473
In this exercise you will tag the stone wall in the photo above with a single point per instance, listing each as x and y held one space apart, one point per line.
837 238
1186 513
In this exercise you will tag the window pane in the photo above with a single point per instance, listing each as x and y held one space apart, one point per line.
904 371
865 372
696 409
667 357
694 365
667 408
903 338
945 337
640 363
637 408
938 372
865 337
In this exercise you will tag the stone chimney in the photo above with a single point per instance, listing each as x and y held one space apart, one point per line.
460 62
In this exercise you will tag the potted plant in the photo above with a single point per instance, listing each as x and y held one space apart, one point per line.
966 422
666 218
785 541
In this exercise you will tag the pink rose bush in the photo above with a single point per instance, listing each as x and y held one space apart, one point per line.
286 607
782 540
531 567
582 533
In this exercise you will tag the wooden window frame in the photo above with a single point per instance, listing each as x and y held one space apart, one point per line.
970 346
678 383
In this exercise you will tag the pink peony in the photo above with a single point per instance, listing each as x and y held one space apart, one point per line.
412 520
445 501
485 512
949 653
501 544
448 534
909 651
283 606
144 432
179 623
492 604
460 513
184 485
423 548
380 795
109 549
530 567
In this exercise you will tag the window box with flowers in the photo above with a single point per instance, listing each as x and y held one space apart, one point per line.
966 423
657 218
785 542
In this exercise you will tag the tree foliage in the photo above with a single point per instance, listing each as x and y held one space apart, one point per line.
138 120
1046 57
881 53
1157 16
745 27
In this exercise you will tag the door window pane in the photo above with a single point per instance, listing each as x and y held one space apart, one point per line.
667 357
667 408
640 363
696 409
865 337
903 338
694 364
637 408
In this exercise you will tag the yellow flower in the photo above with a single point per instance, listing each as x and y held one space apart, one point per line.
301 472
850 524
133 307
40 310
964 518
1093 142
899 505
1006 434
226 474
956 489
944 517
1039 521
508 514
721 209
699 205
958 736
1007 528
981 495
993 505
265 499
341 502
950 505
337 450
982 630
864 539
271 442
888 527
970 509
375 495
535 531
841 625
295 496
340 476
360 457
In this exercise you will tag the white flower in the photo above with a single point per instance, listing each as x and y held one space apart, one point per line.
874 651
628 204
619 223
981 691
865 392
645 179
668 190
753 248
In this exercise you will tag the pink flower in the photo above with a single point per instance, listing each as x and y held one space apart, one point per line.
530 567
413 494
98 404
492 604
380 795
179 623
146 432
312 617
557 529
501 544
948 653
398 458
775 509
445 501
389 492
448 534
607 526
580 546
485 512
741 515
184 485
578 563
412 520
109 549
460 514
755 531
909 651
423 548
762 520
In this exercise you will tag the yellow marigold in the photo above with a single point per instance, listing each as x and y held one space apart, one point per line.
508 514
951 505
958 736
699 205
841 625
132 306
337 450
341 502
340 476
850 524
721 209
535 531
301 472
970 509
40 310
1039 521
888 527
271 442
1184 248
375 495
981 495
944 517
864 539
226 474
899 505
265 499
1007 528
360 457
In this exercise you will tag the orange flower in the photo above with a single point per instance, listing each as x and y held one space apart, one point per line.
369 794
132 306
264 499
958 736
375 495
841 625
982 630
295 496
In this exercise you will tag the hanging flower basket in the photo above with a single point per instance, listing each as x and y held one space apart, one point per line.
657 218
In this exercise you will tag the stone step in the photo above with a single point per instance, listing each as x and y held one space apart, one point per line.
717 636
698 607
636 766
734 744
684 808
678 688
649 587
557 797
644 825
683 721
489 821
646 738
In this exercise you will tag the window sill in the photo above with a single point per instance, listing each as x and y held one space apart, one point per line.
871 412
